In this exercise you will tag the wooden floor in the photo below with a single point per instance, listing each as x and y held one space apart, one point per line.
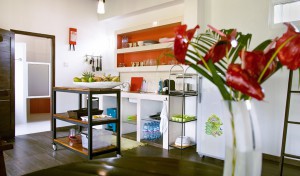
34 152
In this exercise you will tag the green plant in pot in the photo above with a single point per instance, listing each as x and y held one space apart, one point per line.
223 58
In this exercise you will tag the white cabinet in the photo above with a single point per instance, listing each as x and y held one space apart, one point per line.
142 105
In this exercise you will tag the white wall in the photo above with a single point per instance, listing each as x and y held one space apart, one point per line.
120 8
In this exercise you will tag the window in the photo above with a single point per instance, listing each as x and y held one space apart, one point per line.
286 11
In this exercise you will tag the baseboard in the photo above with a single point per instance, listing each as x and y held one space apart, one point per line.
289 161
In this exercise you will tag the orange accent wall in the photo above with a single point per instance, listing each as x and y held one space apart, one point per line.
40 105
155 34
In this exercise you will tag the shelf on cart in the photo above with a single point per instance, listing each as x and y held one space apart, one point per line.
78 146
65 117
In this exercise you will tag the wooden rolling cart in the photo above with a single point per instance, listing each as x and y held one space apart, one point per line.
64 141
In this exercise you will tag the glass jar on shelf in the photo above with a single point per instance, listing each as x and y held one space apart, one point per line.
124 41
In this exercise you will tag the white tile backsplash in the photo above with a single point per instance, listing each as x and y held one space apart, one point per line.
152 78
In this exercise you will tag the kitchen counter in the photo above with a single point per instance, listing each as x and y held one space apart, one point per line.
144 95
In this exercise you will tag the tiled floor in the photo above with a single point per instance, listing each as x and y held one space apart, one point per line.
36 123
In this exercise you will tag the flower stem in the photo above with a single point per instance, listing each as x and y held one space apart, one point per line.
234 152
273 57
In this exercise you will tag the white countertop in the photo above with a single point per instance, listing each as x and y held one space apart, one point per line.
144 95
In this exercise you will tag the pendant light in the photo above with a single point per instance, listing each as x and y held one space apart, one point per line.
101 9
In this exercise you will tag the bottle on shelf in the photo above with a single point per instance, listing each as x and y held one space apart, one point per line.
124 41
160 86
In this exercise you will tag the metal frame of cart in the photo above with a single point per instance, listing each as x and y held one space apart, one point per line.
63 141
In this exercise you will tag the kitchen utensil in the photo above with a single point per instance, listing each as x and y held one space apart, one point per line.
125 87
97 67
166 84
100 65
93 67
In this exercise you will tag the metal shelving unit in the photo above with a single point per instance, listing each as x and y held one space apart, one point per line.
65 142
182 94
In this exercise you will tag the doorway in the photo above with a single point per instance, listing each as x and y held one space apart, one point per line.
34 79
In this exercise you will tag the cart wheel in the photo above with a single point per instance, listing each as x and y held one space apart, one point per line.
54 147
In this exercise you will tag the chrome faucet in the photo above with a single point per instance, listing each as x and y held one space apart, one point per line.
125 87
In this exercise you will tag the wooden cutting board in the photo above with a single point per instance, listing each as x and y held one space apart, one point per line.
136 84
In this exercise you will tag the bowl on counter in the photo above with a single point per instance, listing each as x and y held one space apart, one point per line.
102 85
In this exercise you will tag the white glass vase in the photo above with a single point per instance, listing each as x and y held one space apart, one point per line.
243 155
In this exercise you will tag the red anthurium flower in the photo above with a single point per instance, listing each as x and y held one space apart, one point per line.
182 40
254 63
239 79
219 50
289 55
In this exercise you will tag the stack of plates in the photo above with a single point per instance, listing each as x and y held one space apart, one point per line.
150 42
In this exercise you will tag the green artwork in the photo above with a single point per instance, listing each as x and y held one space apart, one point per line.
213 126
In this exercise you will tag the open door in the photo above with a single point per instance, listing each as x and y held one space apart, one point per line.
7 92
35 57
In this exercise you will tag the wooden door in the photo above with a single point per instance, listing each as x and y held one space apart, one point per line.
7 102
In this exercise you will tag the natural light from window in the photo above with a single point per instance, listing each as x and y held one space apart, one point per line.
287 11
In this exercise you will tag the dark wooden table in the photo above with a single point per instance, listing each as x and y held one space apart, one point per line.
3 146
131 166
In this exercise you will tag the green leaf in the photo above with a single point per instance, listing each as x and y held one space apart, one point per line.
201 71
200 47
262 46
218 81
193 57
